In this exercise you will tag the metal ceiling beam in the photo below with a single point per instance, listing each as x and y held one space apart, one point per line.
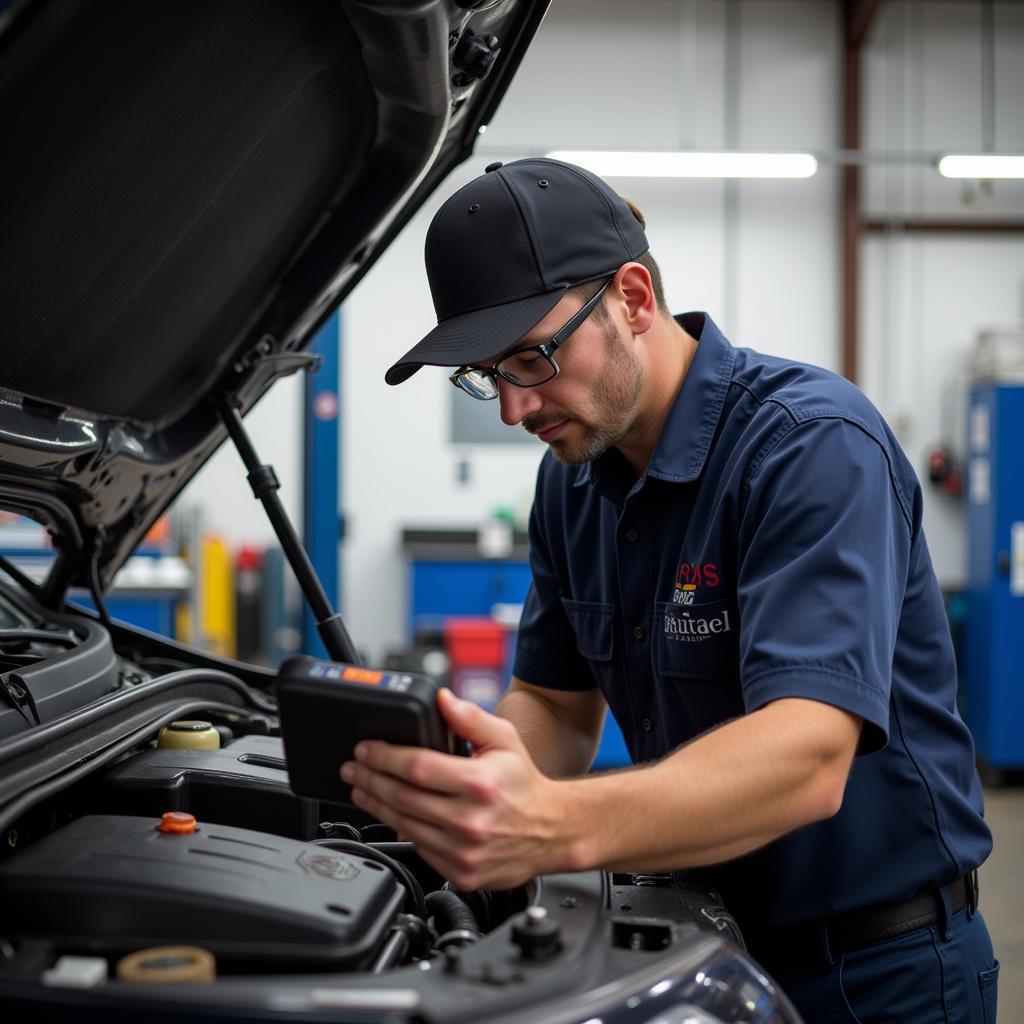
857 17
954 226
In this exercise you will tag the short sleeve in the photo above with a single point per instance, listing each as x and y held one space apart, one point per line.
823 559
547 653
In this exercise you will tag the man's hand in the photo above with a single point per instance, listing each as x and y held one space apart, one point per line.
491 820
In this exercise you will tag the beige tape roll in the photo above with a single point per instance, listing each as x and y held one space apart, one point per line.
168 964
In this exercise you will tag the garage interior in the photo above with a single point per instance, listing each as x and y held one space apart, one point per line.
875 264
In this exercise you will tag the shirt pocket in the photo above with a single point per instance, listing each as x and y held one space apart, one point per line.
593 622
697 641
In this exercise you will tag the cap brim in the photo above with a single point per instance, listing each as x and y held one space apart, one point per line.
475 337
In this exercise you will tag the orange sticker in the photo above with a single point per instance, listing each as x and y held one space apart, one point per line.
362 675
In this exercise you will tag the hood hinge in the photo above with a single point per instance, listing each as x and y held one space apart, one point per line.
19 696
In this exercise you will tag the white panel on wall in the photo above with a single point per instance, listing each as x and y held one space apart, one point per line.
788 55
787 270
923 95
603 72
923 302
925 297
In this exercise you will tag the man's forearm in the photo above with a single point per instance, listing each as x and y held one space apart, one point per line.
727 793
560 746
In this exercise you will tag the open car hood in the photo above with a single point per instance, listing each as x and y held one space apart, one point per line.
188 192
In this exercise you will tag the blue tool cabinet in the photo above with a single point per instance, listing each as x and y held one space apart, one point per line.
447 576
993 686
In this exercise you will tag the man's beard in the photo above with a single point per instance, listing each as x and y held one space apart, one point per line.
615 395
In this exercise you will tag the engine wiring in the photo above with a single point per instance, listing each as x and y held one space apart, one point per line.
414 890
33 795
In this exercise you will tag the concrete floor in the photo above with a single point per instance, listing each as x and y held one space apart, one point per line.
1002 896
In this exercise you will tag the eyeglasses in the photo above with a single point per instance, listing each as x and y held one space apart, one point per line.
526 367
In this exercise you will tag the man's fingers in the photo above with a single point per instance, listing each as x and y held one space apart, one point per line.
472 723
404 798
426 769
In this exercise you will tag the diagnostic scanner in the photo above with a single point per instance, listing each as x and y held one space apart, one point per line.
327 707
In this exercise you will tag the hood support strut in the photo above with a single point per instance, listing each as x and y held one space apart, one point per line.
264 483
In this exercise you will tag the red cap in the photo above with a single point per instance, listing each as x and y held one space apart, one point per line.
248 558
178 822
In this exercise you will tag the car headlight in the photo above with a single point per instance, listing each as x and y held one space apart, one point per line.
729 989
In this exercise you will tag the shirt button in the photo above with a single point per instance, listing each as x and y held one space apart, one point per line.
639 632
647 725
631 535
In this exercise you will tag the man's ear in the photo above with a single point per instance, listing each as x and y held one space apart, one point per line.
634 288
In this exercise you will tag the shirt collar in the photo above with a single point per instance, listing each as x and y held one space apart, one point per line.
683 446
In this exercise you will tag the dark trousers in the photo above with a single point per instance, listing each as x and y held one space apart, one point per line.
943 974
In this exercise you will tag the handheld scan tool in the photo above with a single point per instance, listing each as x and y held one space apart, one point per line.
327 707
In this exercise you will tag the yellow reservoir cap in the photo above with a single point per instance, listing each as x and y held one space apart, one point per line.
188 735
165 964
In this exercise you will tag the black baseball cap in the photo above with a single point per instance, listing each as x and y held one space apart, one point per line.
505 248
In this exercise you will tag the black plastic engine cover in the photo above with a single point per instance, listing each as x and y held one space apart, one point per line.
243 784
113 884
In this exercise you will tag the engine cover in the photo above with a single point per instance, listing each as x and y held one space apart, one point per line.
111 884
244 784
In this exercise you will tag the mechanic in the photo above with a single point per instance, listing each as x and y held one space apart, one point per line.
727 551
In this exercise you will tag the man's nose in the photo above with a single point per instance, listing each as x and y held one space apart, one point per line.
517 403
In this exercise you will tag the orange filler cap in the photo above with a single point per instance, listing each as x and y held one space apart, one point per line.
178 822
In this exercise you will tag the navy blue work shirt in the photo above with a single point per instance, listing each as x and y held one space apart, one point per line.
772 548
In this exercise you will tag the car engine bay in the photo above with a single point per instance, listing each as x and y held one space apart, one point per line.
194 835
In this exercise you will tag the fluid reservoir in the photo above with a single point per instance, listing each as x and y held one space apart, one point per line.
188 735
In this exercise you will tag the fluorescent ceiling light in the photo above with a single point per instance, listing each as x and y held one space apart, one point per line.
621 164
981 165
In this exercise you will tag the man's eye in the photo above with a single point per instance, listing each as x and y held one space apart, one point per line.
526 360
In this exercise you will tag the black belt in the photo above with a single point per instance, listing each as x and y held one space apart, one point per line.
806 943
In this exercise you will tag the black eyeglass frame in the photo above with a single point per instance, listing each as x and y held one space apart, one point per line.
547 349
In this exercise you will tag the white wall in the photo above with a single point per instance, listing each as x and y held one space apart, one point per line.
925 297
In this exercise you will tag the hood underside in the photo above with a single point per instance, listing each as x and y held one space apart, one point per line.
189 190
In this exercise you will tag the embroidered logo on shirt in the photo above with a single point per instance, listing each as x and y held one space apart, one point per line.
693 630
690 577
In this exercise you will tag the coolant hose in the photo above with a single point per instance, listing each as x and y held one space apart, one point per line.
451 912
